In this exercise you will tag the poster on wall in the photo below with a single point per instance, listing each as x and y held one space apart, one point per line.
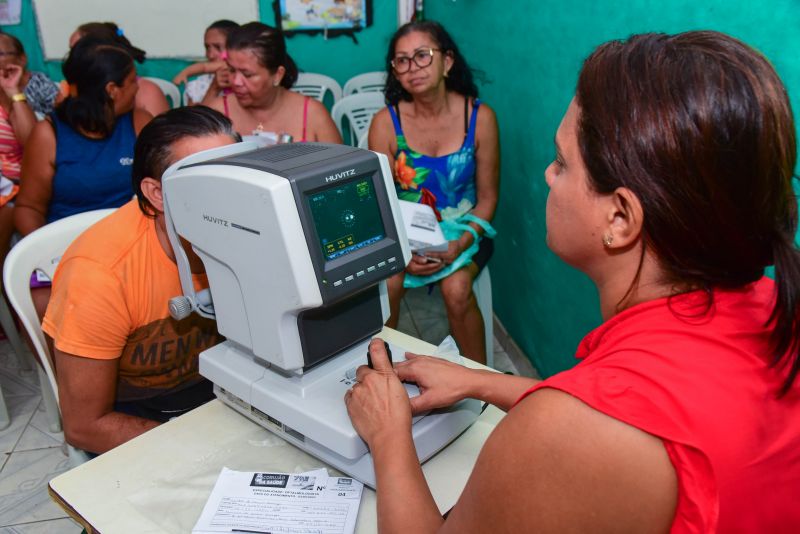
10 12
331 17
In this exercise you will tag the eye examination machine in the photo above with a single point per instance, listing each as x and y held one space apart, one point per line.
297 241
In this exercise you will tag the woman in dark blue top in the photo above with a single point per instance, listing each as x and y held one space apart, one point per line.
442 143
79 158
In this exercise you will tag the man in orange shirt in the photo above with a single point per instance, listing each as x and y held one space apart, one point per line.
123 364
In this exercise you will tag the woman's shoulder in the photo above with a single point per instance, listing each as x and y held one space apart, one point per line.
147 86
485 122
563 447
150 97
314 105
218 103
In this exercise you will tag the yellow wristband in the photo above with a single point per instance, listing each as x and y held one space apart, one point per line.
19 97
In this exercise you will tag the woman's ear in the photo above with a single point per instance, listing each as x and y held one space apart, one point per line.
112 90
449 61
625 219
279 74
151 189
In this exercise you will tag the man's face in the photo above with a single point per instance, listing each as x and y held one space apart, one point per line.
180 149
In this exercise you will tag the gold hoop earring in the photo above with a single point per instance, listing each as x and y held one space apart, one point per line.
607 240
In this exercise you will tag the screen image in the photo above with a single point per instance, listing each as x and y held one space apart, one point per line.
347 217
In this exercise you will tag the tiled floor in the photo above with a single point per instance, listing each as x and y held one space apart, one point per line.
31 455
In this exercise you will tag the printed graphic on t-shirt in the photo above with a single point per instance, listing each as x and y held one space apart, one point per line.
163 355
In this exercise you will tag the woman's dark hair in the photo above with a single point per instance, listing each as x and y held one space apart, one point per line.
269 46
152 154
225 26
90 65
109 31
698 125
16 44
459 77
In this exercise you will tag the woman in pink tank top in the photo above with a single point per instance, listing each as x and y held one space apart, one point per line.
262 74
671 189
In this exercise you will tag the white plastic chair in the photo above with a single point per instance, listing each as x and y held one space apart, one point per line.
359 110
169 89
10 329
364 141
317 86
482 287
42 250
368 82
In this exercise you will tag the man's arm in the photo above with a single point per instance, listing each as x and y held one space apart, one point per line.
87 391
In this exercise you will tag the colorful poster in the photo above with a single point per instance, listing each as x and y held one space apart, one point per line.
10 11
323 15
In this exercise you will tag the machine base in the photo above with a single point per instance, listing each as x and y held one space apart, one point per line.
292 408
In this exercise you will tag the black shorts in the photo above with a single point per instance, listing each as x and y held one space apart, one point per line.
165 407
484 254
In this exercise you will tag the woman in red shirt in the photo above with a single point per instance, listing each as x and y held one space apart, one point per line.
672 190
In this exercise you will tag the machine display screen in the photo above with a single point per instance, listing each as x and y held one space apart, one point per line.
346 216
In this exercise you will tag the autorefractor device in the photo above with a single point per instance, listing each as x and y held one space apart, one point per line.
297 241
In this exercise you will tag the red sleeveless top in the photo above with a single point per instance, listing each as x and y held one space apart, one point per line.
695 372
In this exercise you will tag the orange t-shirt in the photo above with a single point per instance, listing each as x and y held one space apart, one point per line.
110 300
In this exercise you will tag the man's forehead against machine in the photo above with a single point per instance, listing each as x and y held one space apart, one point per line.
297 241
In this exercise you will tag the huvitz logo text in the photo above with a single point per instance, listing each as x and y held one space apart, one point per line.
215 220
338 175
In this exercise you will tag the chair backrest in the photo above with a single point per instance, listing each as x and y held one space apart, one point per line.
369 82
364 141
169 89
42 250
359 110
317 85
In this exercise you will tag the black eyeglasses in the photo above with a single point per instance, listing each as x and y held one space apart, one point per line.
421 58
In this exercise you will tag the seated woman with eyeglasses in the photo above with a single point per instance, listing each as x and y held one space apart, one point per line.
263 105
443 145
672 190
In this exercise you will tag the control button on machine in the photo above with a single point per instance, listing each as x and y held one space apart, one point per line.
360 273
337 283
348 278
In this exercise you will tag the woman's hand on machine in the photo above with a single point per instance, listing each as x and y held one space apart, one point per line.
378 404
441 383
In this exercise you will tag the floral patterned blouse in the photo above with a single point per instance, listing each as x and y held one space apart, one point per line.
446 183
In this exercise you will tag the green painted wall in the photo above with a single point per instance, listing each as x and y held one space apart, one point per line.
339 57
531 53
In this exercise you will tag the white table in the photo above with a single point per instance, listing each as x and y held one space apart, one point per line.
160 481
